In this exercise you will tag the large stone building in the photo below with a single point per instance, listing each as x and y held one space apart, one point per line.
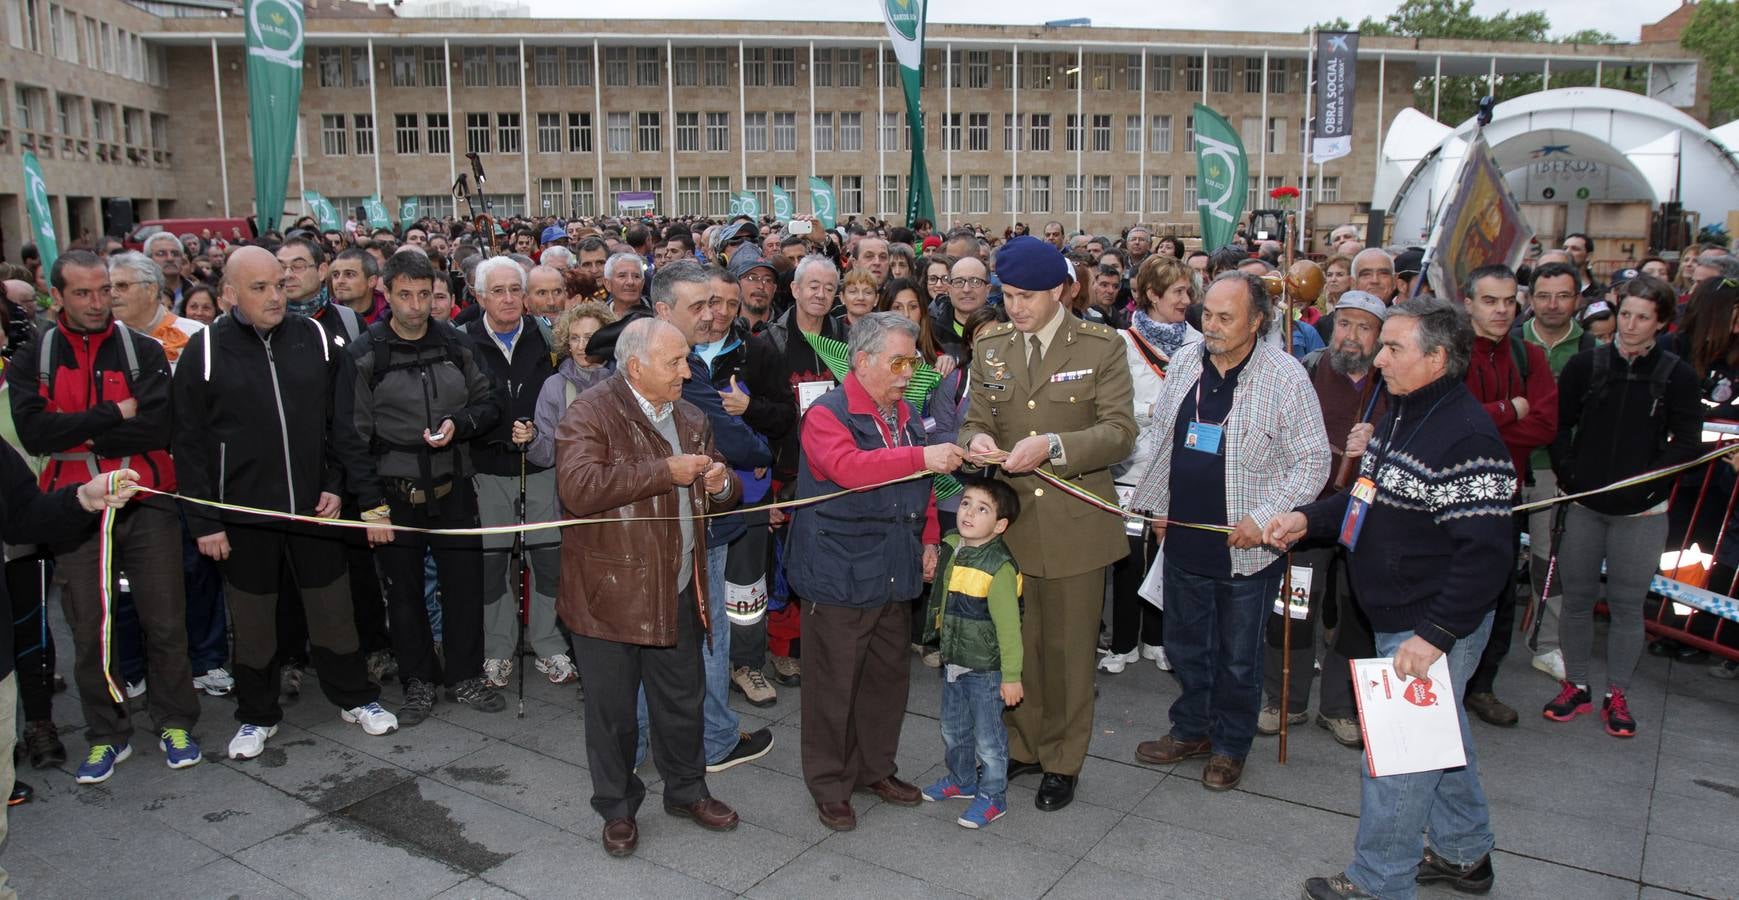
146 99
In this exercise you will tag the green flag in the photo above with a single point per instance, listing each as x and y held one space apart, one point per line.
1222 171
821 199
782 205
409 210
274 95
905 21
378 217
324 213
744 203
41 214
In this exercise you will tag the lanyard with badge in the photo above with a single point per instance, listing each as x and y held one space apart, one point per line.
1205 437
1364 491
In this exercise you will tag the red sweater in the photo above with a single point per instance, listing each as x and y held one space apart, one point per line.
1494 380
832 454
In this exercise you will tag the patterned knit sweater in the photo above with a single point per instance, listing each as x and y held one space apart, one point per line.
1438 543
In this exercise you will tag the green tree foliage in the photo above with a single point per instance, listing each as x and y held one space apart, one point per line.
1457 20
1714 34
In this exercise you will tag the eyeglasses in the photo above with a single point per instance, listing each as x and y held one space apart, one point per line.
973 282
901 365
936 279
124 285
760 278
298 266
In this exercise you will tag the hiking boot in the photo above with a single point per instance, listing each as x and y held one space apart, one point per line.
496 672
373 718
1551 662
474 693
180 751
290 684
788 671
1268 722
1334 887
250 741
1491 710
1222 773
753 686
42 744
1474 878
1346 732
101 762
1615 712
216 682
381 666
419 702
558 668
1572 701
1169 750
749 748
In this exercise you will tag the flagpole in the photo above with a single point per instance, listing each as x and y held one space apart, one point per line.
1304 148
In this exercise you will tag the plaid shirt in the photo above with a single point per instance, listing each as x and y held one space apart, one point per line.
1276 450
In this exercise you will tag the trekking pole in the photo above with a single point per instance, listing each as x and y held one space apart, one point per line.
1536 612
521 588
42 621
1285 653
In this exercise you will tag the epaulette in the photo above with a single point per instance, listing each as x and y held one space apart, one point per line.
1098 330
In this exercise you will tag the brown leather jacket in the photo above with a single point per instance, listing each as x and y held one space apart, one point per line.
619 578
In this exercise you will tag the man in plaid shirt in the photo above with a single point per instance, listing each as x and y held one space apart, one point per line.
1242 441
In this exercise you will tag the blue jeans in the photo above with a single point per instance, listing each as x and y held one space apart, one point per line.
1448 806
719 725
1213 635
973 733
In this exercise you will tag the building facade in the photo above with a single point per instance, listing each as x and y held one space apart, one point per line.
1092 127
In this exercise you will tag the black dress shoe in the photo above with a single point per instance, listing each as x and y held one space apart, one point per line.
1055 792
1016 768
1474 878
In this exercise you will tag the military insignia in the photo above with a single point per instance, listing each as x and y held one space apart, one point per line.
1076 375
995 386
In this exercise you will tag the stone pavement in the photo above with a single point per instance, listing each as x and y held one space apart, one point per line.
476 805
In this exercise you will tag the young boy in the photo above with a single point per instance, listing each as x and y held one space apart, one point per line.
975 609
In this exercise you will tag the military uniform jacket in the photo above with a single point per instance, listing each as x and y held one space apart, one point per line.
1083 394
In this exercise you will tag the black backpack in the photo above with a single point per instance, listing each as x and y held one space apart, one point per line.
382 350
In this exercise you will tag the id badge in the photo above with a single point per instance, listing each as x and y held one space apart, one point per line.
1358 505
1203 437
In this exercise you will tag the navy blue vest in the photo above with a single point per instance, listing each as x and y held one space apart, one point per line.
866 548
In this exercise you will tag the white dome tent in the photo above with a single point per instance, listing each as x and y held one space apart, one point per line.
1567 148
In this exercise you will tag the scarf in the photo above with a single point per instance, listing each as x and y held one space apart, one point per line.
310 307
1167 336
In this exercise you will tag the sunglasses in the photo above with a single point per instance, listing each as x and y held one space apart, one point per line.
903 365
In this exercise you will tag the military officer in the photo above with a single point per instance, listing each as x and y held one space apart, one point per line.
1052 392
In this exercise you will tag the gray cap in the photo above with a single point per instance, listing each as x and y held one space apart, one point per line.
747 259
1363 302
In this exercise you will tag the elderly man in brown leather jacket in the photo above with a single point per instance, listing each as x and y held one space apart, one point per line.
631 593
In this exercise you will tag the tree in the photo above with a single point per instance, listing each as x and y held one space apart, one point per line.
1714 34
1456 20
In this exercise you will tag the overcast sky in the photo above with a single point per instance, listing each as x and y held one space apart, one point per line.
1620 17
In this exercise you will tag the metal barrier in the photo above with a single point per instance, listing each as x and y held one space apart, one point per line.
1704 616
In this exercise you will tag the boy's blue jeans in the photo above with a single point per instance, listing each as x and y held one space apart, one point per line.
973 733
1397 813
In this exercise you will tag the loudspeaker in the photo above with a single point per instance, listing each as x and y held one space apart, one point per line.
120 216
1374 229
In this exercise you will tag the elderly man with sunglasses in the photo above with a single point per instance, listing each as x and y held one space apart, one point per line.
856 559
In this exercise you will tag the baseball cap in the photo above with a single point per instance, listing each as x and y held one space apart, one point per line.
1363 302
552 234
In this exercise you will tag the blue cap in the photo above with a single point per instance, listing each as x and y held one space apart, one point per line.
552 234
1030 264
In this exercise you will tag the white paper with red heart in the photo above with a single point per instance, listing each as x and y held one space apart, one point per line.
1410 724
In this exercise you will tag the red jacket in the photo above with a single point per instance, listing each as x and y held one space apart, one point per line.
1494 380
834 456
77 421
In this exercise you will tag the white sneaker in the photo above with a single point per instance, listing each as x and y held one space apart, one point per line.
216 682
373 718
1156 652
250 741
1552 663
495 672
558 667
135 689
1116 662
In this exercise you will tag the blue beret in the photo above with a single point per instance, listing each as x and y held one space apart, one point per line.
1027 263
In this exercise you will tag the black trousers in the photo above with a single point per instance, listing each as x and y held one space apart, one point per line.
1503 628
458 569
370 606
1132 617
675 684
270 562
27 580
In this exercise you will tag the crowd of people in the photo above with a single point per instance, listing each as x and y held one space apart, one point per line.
805 456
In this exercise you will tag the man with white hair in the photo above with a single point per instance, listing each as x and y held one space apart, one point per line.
631 450
558 258
517 351
138 291
625 277
167 251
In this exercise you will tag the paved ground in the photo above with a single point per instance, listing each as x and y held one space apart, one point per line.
474 805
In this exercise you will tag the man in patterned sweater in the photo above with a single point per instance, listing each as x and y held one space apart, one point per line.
1427 574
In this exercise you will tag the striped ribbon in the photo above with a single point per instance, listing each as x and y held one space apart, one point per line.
105 591
1094 500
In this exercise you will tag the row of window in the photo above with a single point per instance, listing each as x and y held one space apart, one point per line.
500 66
83 40
711 132
964 195
76 117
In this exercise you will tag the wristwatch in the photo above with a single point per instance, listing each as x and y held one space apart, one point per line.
1056 446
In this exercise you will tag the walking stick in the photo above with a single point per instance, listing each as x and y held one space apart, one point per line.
519 582
1536 611
42 620
1285 654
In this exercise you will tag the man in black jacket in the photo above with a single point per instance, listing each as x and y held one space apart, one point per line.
515 349
254 426
420 399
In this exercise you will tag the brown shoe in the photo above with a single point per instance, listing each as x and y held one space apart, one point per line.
706 812
787 671
895 791
1491 710
621 836
1169 750
1222 773
837 816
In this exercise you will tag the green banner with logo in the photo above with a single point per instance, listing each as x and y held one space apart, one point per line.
324 213
378 217
1222 175
274 31
783 206
821 199
744 203
409 211
41 214
905 21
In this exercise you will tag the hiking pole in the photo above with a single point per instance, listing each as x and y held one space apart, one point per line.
42 612
1536 612
1285 653
519 579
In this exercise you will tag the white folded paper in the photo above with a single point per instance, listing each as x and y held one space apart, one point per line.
1409 724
